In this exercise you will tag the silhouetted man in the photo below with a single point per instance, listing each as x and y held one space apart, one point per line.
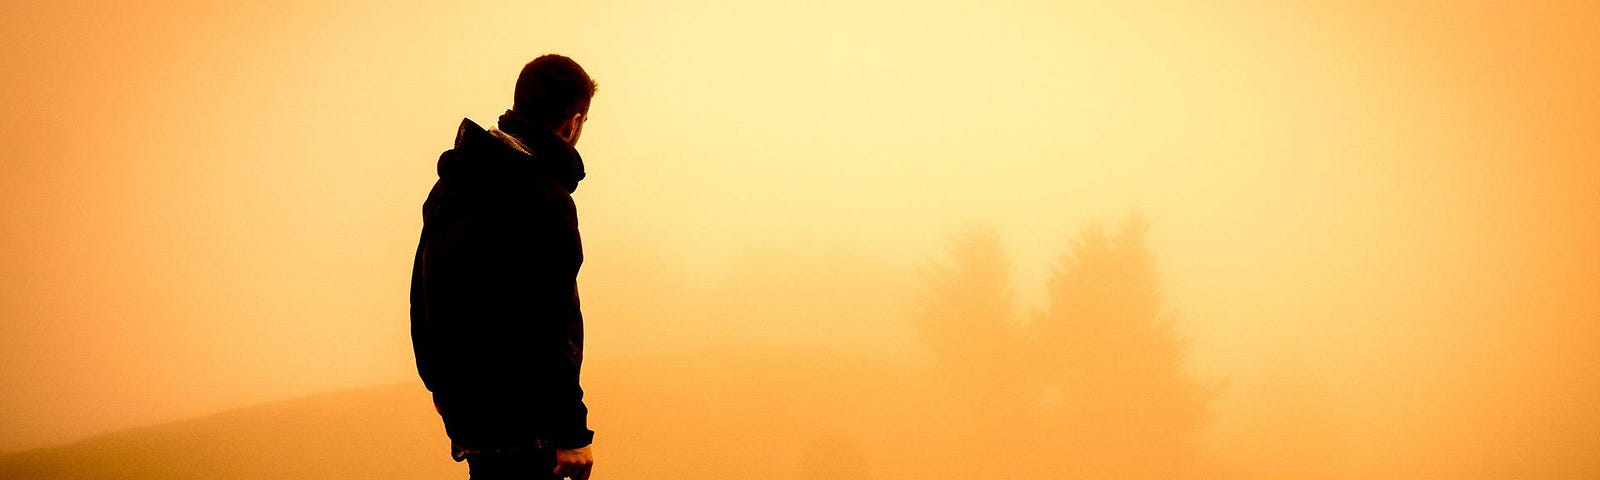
495 323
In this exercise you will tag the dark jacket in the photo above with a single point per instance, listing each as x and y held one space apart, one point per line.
495 323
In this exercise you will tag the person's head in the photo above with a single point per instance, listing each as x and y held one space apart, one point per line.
553 93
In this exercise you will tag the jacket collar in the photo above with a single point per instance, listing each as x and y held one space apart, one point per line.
563 160
543 151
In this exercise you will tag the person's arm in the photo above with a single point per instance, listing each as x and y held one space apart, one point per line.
554 252
422 341
571 416
560 250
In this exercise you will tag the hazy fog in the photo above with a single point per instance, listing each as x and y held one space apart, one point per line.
1369 244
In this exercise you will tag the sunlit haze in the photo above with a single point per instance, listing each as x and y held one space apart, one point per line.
1353 239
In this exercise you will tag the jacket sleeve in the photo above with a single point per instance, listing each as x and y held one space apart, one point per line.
422 341
553 255
571 415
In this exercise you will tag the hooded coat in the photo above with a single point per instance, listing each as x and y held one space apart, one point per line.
495 320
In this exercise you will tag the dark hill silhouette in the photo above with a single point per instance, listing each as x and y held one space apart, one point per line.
381 432
714 414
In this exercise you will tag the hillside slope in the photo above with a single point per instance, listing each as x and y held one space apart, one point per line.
718 415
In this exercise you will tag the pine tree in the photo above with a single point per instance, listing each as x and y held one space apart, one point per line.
967 321
1127 409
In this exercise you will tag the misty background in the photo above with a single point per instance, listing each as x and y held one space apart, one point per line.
864 239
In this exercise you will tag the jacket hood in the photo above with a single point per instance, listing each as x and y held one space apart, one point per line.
490 155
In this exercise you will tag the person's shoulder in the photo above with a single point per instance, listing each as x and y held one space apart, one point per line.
548 194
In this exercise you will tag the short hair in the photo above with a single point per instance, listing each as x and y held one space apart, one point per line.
551 89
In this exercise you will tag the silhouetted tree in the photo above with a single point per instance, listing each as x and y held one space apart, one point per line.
967 321
1127 409
1116 401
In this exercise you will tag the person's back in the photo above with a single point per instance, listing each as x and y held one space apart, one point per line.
495 321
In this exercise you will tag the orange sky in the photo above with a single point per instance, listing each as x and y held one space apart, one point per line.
216 205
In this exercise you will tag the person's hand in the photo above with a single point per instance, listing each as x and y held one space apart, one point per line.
575 463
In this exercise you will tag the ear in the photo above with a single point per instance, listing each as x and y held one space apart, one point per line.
571 129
